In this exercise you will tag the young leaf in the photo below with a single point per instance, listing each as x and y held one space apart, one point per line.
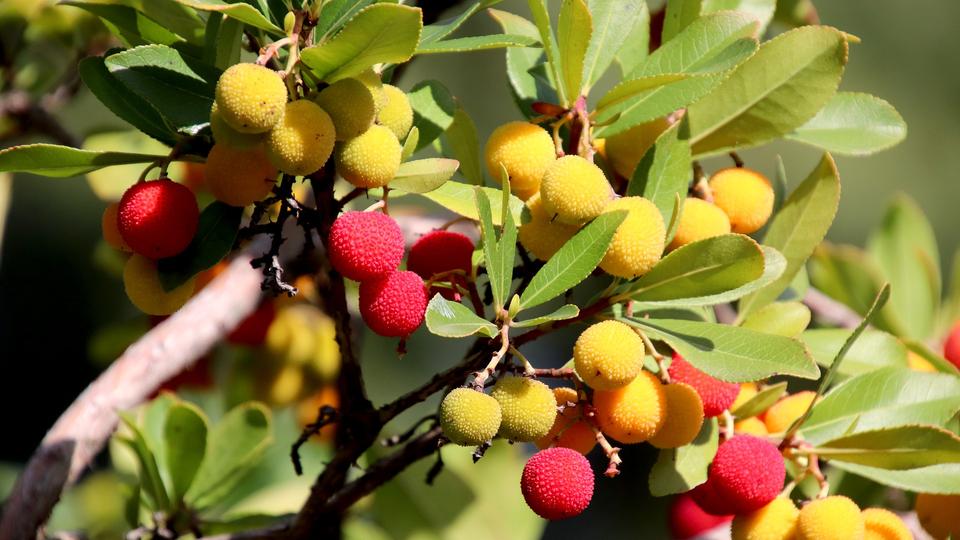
476 43
460 198
464 143
454 320
874 350
664 171
541 18
523 62
679 470
216 234
679 15
573 262
574 29
898 448
853 124
63 161
424 175
787 319
762 10
564 312
185 443
761 401
433 110
240 11
613 20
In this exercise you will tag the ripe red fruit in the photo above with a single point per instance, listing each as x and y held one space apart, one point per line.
951 348
365 245
438 252
393 306
158 219
687 519
746 474
252 331
707 499
717 395
557 483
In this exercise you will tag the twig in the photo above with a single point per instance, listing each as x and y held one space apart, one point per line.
325 416
482 376
830 311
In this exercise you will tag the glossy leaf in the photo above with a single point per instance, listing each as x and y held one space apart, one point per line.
424 175
433 33
464 144
63 161
628 90
476 43
216 234
787 319
942 478
664 171
564 312
681 469
574 28
240 11
873 350
185 444
459 198
433 110
613 20
896 448
335 14
454 320
762 401
853 124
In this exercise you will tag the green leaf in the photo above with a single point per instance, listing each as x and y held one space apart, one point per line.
454 320
574 28
216 234
679 15
853 124
798 228
464 143
635 47
423 175
109 183
133 27
522 63
731 353
433 33
942 478
897 448
613 20
942 364
776 91
459 198
240 11
573 262
564 312
873 350
498 255
762 10
335 14
679 470
628 90
433 110
664 170
150 478
541 19
762 401
381 33
410 144
476 43
787 319
227 43
849 276
185 443
63 161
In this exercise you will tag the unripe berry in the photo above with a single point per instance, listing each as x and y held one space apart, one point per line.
783 413
468 417
938 514
541 236
110 230
745 195
370 160
833 518
951 347
747 391
239 177
638 243
303 140
569 429
625 150
919 363
687 520
574 190
775 521
251 98
141 281
158 219
350 105
608 355
442 251
717 395
393 305
372 81
365 245
747 473
751 426
525 150
396 114
223 133
528 408
634 413
684 417
882 524
698 221
557 483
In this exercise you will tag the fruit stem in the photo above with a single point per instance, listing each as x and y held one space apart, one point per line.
482 376
737 161
701 187
652 351
612 452
727 424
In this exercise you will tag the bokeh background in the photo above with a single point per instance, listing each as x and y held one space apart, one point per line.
54 296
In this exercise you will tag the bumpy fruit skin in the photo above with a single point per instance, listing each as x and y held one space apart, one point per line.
569 429
700 220
372 81
625 150
110 230
365 245
239 177
574 190
396 114
747 391
882 524
784 412
468 417
687 519
634 413
251 98
919 363
303 140
717 395
938 514
833 518
951 347
745 195
557 483
158 219
442 251
775 521
608 355
528 408
350 105
370 160
706 497
747 473
751 426
393 305
525 150
684 417
638 243
223 133
541 236
141 281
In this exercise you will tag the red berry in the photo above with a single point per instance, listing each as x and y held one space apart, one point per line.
707 499
747 473
717 395
252 331
393 305
365 245
951 348
687 519
557 483
438 252
158 219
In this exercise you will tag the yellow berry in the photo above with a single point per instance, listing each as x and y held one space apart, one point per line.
141 281
251 98
541 236
574 190
745 195
938 514
684 417
919 363
280 386
223 133
370 160
291 338
698 221
783 413
634 413
303 141
608 355
747 391
395 113
469 417
569 429
350 105
525 150
833 518
775 521
638 243
625 150
110 230
882 524
751 426
326 355
372 81
239 177
528 408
